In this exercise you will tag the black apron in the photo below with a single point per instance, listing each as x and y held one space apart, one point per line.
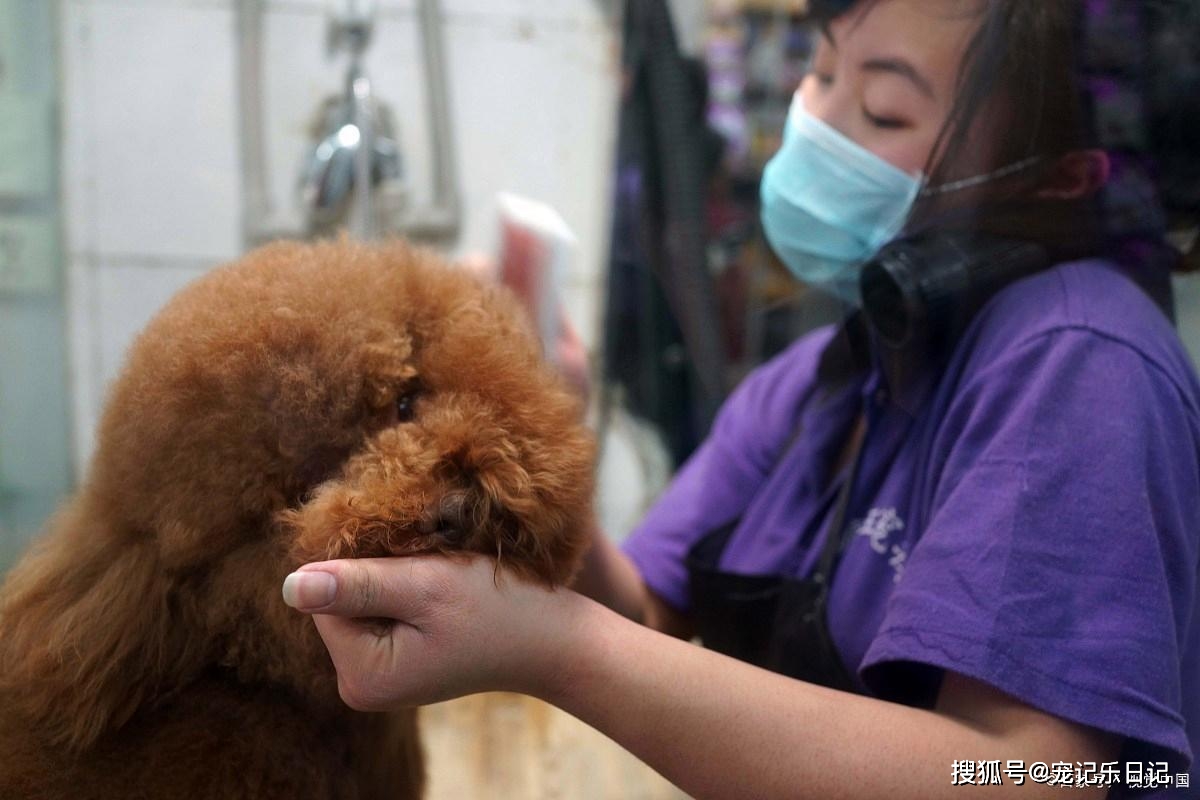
772 621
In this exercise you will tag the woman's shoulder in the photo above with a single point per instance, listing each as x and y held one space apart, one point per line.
783 380
1092 301
766 404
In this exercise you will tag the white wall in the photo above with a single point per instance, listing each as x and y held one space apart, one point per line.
35 468
151 153
691 20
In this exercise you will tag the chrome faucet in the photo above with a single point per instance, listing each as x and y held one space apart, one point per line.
353 174
355 154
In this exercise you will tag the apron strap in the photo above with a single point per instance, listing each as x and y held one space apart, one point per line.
836 541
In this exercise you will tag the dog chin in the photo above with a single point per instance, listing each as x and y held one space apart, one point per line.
317 536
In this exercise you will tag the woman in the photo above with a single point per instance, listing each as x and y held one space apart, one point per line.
981 550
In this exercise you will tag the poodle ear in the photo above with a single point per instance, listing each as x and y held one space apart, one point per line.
86 629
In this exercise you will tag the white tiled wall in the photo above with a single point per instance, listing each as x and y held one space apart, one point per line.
162 130
151 181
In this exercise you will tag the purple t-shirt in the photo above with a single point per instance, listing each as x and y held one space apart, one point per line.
1033 524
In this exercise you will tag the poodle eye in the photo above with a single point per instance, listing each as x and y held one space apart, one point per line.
406 407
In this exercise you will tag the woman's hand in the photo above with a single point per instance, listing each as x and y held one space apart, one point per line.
417 630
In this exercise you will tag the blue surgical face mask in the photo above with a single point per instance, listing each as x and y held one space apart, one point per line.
829 204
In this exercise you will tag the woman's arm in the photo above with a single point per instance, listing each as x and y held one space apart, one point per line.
611 579
714 726
718 728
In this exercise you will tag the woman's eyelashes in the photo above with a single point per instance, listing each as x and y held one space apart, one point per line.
885 122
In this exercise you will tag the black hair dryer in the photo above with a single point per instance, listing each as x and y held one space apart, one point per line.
921 292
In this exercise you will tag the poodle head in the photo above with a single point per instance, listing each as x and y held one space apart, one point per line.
347 400
310 401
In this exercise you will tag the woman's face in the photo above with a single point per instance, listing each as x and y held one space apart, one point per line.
886 74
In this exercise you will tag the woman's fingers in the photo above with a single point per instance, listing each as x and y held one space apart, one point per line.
421 629
369 660
360 588
379 619
572 358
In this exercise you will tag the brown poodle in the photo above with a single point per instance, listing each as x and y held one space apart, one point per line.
307 402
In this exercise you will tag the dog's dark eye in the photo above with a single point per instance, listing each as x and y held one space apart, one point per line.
406 407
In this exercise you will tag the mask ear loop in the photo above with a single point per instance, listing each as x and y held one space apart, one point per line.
977 180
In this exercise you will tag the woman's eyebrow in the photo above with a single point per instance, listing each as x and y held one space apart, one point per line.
898 66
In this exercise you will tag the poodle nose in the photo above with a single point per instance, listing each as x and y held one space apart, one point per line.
450 518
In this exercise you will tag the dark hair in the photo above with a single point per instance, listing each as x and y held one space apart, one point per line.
1020 65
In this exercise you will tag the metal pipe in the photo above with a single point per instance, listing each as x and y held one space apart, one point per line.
443 219
363 221
255 197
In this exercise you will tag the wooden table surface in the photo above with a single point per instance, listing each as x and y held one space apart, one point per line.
511 747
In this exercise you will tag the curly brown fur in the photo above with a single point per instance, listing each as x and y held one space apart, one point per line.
307 402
